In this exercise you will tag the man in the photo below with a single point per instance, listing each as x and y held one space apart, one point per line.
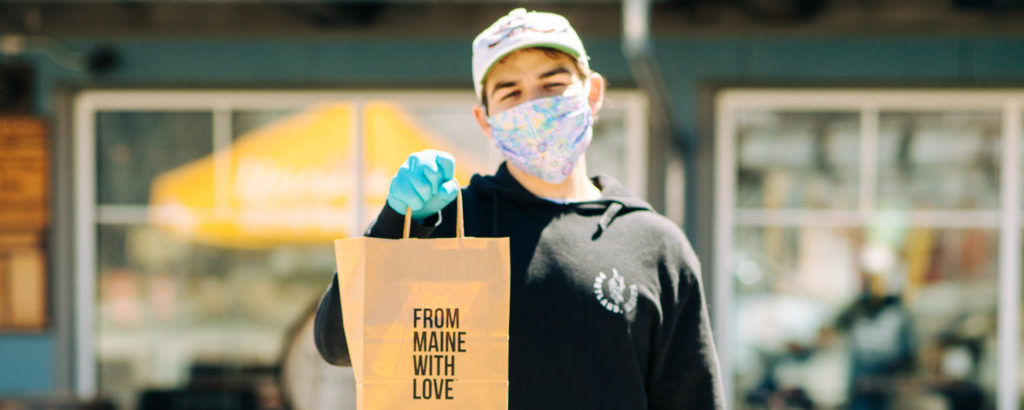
607 309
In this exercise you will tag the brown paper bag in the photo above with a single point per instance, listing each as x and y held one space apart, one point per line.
426 320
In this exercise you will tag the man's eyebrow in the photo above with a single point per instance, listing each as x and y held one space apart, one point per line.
505 84
556 71
546 74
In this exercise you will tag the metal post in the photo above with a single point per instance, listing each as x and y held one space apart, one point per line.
1009 261
725 205
85 247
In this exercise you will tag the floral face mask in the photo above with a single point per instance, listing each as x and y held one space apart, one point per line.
545 137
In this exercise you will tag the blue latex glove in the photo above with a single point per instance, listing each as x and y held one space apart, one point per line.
425 183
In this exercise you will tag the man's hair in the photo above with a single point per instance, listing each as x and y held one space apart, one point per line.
581 72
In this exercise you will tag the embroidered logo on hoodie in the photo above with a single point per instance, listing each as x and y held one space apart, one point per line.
615 300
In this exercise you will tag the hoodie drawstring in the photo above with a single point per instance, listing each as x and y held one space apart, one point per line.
607 217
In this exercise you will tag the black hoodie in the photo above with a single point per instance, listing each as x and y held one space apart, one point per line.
607 309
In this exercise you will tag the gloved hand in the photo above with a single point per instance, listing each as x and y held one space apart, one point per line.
425 183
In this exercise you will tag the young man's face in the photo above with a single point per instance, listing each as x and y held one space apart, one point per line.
530 74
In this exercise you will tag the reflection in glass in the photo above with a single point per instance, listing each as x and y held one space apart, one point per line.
797 159
169 308
134 147
243 121
608 146
945 160
863 318
454 122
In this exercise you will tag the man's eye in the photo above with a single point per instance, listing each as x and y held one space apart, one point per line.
554 85
510 95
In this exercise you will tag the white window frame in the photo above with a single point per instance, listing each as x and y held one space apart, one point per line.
869 102
88 215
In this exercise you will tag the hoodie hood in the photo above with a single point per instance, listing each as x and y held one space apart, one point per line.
615 199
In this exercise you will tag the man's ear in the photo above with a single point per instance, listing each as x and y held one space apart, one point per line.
597 86
481 119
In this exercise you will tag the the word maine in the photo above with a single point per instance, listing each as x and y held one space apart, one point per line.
434 349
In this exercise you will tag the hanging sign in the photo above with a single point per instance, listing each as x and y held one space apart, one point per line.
23 293
24 216
24 174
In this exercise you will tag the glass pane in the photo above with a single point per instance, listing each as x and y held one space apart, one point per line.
865 318
249 120
198 300
133 147
939 160
453 124
797 159
174 314
394 128
607 152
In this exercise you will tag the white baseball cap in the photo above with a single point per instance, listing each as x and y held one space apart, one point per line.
522 29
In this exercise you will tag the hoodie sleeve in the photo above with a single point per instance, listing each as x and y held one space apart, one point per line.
685 372
329 330
389 224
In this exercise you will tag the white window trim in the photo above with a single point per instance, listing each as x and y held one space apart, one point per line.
869 102
220 102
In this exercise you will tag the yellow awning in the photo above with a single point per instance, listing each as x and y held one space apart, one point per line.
294 181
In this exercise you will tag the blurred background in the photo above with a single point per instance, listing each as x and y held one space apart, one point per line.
172 174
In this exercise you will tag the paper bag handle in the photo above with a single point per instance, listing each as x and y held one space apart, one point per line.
460 230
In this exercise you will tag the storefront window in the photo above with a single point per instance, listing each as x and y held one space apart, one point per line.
134 147
790 159
864 250
839 317
939 160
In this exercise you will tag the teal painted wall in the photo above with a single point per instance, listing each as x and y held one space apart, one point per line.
27 364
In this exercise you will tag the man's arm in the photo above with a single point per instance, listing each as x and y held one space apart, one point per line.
685 372
328 329
389 225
